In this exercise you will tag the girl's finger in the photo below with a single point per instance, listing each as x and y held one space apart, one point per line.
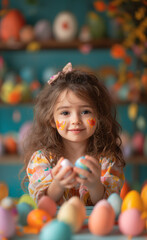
92 159
83 172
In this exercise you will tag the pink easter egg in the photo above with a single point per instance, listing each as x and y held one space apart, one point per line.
131 223
47 204
102 218
138 142
7 223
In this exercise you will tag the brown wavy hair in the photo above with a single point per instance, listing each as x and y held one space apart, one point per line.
43 136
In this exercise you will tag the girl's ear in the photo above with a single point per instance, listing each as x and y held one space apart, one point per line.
53 124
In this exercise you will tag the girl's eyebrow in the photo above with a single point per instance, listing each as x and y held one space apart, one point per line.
67 107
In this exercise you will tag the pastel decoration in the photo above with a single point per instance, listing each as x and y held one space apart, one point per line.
55 231
91 122
4 191
7 223
65 26
79 164
47 204
25 198
76 201
115 200
26 34
145 146
60 125
138 142
144 196
11 24
42 30
37 218
23 210
125 189
71 214
132 200
141 123
102 218
131 222
133 111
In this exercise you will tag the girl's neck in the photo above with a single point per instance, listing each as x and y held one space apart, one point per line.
72 151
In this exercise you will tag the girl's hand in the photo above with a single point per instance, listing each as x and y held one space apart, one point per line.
66 177
92 177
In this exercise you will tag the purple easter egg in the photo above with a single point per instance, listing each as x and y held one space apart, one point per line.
7 223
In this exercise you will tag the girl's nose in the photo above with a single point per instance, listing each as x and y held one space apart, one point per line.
76 120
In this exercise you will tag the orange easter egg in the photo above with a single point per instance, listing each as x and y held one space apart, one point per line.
47 204
4 191
11 25
144 196
132 200
38 218
102 218
125 189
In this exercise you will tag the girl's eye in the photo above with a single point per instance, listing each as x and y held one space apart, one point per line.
86 112
65 113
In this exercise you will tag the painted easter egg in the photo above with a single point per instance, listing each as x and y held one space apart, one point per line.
27 199
81 165
47 204
102 218
115 200
71 215
65 26
138 142
132 200
131 223
144 196
4 191
42 30
11 25
23 210
7 223
76 201
38 218
56 230
125 189
27 34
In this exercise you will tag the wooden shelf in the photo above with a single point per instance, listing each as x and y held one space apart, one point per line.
53 44
8 159
136 160
11 159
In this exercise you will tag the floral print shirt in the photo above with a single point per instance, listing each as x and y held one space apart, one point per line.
39 174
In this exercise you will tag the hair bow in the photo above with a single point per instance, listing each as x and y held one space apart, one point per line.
66 69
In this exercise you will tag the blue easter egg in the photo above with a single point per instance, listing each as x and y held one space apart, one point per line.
81 165
28 74
56 230
115 200
23 211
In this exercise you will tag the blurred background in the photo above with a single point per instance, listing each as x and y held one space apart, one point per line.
38 37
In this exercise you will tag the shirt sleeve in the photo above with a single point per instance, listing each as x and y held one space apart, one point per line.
112 176
39 174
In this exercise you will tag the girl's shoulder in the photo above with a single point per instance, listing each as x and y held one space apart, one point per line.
39 157
107 161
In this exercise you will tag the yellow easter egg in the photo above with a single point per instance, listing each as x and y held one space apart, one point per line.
71 215
132 111
144 196
132 200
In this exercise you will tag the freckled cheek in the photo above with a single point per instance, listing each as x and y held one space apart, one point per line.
60 125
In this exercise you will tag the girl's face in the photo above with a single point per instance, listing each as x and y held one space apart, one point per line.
74 118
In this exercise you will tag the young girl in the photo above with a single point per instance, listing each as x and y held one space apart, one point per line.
74 117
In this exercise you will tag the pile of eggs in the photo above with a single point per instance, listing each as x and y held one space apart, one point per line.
130 212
